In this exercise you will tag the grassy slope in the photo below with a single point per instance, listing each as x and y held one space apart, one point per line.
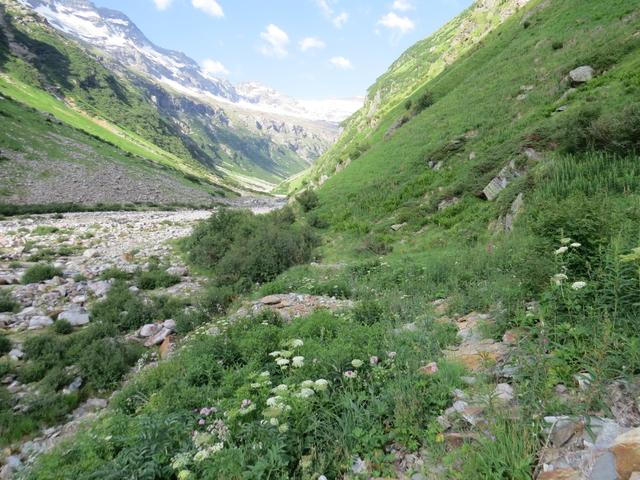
585 187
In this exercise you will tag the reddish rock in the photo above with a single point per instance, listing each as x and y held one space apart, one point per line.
456 440
512 337
560 474
626 449
271 300
429 369
167 346
476 355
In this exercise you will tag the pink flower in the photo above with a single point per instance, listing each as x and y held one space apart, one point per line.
392 355
374 360
350 374
201 422
246 403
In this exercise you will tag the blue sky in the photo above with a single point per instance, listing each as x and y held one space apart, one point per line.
309 49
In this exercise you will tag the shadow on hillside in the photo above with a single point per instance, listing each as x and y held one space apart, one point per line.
52 65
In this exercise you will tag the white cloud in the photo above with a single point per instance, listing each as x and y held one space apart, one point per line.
276 41
311 43
338 20
213 67
162 4
341 19
325 7
395 22
403 5
212 7
341 63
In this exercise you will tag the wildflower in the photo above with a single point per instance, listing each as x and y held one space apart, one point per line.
246 403
321 384
274 422
201 422
357 363
322 477
350 374
307 384
282 361
391 355
286 354
298 362
373 360
558 278
265 374
283 428
256 385
305 393
180 461
561 250
247 407
277 353
184 475
575 245
280 388
296 343
579 285
273 401
565 241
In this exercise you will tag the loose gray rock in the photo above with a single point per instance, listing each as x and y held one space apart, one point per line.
39 322
76 318
582 74
149 330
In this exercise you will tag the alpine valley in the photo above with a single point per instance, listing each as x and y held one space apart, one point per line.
92 69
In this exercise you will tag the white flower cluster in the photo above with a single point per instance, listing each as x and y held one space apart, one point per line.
560 278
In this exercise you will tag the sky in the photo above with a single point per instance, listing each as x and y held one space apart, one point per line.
308 49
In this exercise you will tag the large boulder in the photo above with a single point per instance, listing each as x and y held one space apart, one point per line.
76 317
626 449
500 182
40 321
582 74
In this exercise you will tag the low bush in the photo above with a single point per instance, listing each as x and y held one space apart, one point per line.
106 360
216 299
242 248
156 278
7 302
5 345
62 327
308 200
123 309
40 273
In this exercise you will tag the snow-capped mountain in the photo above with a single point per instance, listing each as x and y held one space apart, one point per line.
114 33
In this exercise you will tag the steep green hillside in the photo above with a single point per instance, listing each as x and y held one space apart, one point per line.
417 66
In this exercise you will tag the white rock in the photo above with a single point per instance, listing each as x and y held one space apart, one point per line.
90 253
158 338
582 74
170 325
76 318
40 321
149 330
16 354
504 392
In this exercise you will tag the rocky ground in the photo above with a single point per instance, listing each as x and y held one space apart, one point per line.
82 246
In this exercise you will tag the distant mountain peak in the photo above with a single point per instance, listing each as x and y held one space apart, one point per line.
114 33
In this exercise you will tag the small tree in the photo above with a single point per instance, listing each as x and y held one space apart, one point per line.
308 200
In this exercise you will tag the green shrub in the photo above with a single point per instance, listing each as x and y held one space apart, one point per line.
216 299
62 327
156 278
424 101
46 348
106 360
308 200
557 45
115 274
40 273
123 309
7 302
242 248
368 312
5 345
